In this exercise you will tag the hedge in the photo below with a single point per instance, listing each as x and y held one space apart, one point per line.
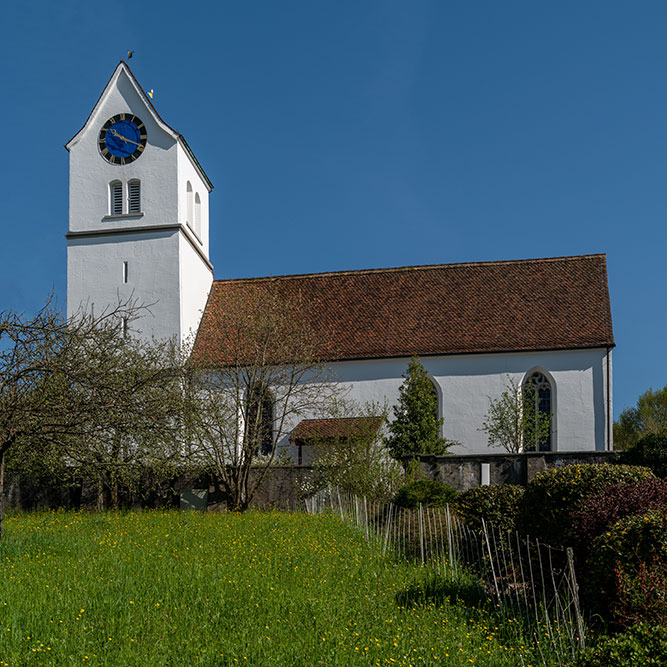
498 505
427 492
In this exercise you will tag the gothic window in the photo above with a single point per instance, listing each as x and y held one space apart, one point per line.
537 394
115 198
134 196
259 419
197 215
189 216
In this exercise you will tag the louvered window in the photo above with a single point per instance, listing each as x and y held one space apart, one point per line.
134 196
116 198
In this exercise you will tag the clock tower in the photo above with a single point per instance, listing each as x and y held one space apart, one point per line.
138 215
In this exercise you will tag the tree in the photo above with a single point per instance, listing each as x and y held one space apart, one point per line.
416 427
354 457
243 403
648 417
68 388
513 421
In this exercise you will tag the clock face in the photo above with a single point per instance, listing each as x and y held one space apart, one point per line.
122 138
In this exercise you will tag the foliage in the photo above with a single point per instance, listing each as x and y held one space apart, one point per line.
497 505
512 422
357 460
76 391
427 492
617 558
416 427
649 416
642 644
597 513
553 494
271 376
192 588
650 451
642 594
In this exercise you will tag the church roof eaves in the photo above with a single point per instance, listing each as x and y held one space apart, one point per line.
508 306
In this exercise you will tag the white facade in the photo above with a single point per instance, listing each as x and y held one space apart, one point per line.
580 383
155 256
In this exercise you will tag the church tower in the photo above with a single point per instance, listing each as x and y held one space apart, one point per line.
138 215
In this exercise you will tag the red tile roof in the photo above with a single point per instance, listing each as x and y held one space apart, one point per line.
308 429
535 304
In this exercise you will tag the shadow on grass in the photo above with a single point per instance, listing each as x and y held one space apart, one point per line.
439 591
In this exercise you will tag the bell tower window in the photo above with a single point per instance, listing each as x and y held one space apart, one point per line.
197 215
115 198
189 217
134 196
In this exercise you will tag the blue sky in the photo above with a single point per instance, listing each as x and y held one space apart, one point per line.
358 134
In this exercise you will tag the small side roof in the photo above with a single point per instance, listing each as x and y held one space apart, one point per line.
340 427
123 67
507 306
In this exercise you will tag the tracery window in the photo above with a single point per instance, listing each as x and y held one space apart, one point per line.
537 393
259 419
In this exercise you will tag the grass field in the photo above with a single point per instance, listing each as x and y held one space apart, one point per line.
163 588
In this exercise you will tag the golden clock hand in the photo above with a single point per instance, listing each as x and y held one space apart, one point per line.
120 136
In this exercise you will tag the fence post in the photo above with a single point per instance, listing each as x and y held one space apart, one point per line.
575 599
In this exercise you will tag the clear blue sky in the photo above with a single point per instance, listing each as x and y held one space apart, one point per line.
357 134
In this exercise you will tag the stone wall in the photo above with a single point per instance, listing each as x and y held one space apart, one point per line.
464 472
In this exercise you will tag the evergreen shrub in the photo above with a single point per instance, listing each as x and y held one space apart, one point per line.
650 451
642 644
552 495
428 492
497 505
620 565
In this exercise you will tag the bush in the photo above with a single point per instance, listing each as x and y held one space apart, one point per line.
641 645
428 492
596 514
554 494
498 505
650 451
619 562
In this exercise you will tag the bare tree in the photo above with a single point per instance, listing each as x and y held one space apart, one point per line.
80 388
268 374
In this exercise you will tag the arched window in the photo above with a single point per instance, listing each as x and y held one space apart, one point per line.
259 419
197 215
189 217
115 198
134 196
537 404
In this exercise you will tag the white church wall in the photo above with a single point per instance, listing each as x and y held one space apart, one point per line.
195 281
465 383
90 174
188 173
95 276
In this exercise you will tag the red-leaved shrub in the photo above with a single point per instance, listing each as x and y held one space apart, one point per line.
597 513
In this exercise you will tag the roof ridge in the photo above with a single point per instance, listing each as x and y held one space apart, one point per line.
417 267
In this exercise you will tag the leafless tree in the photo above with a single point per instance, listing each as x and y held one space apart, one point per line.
267 374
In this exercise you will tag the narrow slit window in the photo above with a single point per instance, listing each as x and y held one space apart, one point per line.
197 215
134 196
125 272
116 198
126 326
188 190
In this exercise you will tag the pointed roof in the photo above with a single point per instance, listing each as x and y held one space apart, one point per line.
508 306
123 67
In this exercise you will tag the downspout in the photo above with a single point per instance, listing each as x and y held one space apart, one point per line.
609 416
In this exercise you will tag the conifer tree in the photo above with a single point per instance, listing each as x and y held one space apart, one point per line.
416 427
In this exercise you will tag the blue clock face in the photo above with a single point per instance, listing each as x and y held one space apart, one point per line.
122 139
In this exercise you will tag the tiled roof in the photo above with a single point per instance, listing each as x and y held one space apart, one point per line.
309 429
536 304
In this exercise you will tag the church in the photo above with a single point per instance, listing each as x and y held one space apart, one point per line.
139 227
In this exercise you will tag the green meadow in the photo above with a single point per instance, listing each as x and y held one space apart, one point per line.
169 588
